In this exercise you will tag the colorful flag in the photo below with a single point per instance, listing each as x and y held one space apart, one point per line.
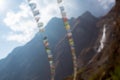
42 30
29 0
64 14
48 51
69 37
50 58
72 47
45 38
76 65
37 19
67 27
46 44
69 34
66 24
51 62
71 42
32 5
62 9
36 13
65 19
40 24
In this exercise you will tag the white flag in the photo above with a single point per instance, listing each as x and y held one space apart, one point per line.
32 5
59 1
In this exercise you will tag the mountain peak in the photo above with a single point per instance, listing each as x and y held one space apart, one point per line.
30 61
87 14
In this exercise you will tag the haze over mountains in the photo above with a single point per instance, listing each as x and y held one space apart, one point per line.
104 65
29 62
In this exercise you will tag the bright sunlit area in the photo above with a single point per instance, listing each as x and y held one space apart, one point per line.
59 40
4 4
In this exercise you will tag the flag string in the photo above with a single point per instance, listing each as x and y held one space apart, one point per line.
69 36
40 25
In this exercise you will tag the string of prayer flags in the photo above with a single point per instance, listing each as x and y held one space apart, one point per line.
70 39
32 5
40 25
50 56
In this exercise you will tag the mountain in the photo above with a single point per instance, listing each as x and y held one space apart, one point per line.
29 62
105 65
84 34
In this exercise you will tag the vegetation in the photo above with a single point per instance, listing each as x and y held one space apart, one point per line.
110 69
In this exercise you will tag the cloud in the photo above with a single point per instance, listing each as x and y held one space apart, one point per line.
21 24
51 8
106 3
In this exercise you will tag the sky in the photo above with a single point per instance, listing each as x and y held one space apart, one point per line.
17 25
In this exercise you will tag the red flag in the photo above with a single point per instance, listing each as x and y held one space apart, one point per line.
65 19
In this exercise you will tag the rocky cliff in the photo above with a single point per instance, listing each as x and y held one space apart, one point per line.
85 33
105 65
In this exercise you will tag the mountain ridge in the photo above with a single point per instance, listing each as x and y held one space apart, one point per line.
29 62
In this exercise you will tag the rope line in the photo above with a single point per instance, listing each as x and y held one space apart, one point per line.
40 25
69 36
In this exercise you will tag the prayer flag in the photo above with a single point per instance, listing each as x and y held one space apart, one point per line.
59 1
32 5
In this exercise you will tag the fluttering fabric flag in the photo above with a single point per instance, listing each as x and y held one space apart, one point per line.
50 56
70 39
67 27
37 19
40 25
42 30
62 8
29 0
36 13
32 5
59 1
64 14
65 19
69 34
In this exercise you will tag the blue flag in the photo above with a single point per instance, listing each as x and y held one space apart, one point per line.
32 5
36 13
62 8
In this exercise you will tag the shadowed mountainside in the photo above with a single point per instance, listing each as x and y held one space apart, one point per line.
106 64
85 33
29 62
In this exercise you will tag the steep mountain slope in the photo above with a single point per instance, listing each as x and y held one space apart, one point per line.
29 62
106 64
84 33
